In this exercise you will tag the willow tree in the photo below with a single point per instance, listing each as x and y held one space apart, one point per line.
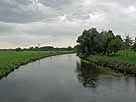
92 42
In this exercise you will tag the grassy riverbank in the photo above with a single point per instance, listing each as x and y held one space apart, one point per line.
100 70
11 60
123 61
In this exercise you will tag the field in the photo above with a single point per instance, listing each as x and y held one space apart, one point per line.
123 61
11 60
122 56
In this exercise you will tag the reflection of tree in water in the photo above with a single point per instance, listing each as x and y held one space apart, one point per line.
87 74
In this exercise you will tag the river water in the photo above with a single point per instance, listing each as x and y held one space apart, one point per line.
64 79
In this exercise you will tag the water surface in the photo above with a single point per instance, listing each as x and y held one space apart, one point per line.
64 79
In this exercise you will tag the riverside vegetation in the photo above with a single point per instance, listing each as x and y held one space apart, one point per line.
108 50
11 60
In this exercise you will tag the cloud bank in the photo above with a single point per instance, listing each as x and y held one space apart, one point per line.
59 22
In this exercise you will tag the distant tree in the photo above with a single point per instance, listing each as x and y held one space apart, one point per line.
31 48
18 49
69 48
134 45
128 42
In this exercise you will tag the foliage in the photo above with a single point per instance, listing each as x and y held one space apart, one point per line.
18 49
128 42
134 45
48 48
119 62
115 44
92 42
42 48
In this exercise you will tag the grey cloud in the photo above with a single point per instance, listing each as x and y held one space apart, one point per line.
50 21
23 11
56 3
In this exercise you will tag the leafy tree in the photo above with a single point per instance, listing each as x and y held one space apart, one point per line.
107 36
69 48
89 42
115 44
134 45
128 42
18 49
93 42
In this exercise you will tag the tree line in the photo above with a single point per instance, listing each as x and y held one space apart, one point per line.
42 48
45 48
92 42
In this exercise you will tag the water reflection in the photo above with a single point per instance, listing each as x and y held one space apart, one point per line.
87 74
53 80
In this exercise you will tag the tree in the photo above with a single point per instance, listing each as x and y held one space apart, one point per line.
107 36
18 49
128 42
92 42
69 48
115 44
134 45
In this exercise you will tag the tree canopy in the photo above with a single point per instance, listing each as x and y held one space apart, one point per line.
93 42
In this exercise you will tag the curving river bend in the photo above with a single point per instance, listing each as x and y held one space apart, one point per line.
63 79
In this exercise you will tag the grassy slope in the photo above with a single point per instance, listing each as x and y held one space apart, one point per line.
10 60
104 70
123 61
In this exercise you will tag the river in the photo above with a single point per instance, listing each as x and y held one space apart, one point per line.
63 79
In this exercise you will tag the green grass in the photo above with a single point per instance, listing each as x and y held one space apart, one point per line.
127 56
104 70
122 56
123 61
10 60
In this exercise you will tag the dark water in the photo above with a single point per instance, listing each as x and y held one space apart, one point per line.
64 79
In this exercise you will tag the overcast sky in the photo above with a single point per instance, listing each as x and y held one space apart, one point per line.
59 22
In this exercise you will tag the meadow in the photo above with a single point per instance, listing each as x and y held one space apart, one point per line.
123 61
11 60
126 56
